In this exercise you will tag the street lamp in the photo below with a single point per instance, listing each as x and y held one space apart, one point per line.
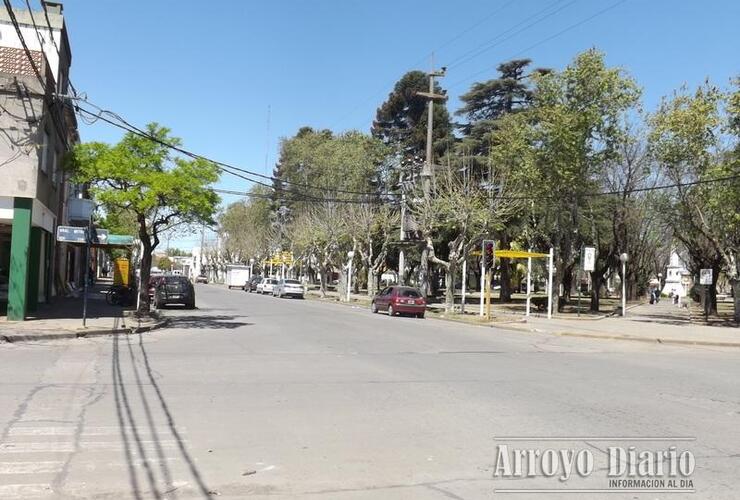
624 258
350 256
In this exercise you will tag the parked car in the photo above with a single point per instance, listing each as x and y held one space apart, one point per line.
399 300
251 284
288 288
265 286
201 279
153 282
174 290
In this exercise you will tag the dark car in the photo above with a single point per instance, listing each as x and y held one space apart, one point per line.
153 282
399 300
251 284
174 290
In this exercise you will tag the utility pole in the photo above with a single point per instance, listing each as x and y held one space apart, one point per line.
202 243
427 170
401 258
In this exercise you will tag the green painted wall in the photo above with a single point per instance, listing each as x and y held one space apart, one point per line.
19 258
34 269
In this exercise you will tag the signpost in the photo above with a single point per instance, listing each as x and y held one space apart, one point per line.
587 263
705 279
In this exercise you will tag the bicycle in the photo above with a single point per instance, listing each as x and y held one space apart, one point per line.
119 295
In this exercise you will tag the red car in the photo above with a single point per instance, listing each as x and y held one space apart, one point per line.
399 300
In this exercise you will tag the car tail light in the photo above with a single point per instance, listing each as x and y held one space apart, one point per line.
420 302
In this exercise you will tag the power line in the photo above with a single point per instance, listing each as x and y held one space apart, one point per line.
296 195
540 42
486 46
49 101
132 128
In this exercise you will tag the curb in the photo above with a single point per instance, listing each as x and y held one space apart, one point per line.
655 340
20 337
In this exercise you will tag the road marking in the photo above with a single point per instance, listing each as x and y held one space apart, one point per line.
31 467
25 491
89 431
69 447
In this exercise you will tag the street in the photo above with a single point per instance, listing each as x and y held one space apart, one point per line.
253 396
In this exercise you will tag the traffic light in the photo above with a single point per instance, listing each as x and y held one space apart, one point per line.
488 253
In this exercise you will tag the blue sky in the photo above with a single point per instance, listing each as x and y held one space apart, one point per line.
209 70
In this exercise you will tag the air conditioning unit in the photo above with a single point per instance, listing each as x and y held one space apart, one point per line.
79 209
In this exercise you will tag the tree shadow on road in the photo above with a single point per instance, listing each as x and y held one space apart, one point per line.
210 322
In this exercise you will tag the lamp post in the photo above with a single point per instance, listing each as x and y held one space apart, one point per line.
350 256
251 264
624 258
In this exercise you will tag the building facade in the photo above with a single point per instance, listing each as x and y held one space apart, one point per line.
37 128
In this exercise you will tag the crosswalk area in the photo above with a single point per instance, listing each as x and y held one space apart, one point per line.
50 449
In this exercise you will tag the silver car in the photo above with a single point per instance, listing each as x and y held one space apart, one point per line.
267 285
288 288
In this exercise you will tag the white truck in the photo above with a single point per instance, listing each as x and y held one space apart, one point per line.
236 275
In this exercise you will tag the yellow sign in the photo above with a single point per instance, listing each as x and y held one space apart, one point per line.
120 271
280 258
514 254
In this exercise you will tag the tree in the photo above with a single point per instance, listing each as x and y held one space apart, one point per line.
484 105
576 123
401 121
686 140
371 228
140 177
246 226
164 263
459 213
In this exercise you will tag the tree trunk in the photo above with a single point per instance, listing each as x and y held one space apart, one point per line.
735 283
323 275
372 281
597 280
451 270
423 280
144 270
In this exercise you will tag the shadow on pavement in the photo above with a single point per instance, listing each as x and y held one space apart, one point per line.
214 322
155 480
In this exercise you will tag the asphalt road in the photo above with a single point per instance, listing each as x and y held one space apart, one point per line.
256 397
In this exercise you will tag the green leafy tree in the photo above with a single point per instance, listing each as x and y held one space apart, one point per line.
686 139
401 121
140 178
576 124
164 263
484 105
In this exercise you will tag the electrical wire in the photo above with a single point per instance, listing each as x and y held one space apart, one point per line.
498 40
127 125
296 195
50 102
538 43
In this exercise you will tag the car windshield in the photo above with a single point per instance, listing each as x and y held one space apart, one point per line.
171 280
408 292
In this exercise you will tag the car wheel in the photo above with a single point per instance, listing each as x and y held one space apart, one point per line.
391 312
373 308
190 305
420 315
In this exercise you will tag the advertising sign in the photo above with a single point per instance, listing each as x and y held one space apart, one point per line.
705 277
589 259
71 234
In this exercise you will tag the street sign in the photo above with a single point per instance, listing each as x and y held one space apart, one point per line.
705 276
71 234
99 236
588 258
120 239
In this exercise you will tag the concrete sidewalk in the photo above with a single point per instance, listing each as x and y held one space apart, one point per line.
661 323
63 319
